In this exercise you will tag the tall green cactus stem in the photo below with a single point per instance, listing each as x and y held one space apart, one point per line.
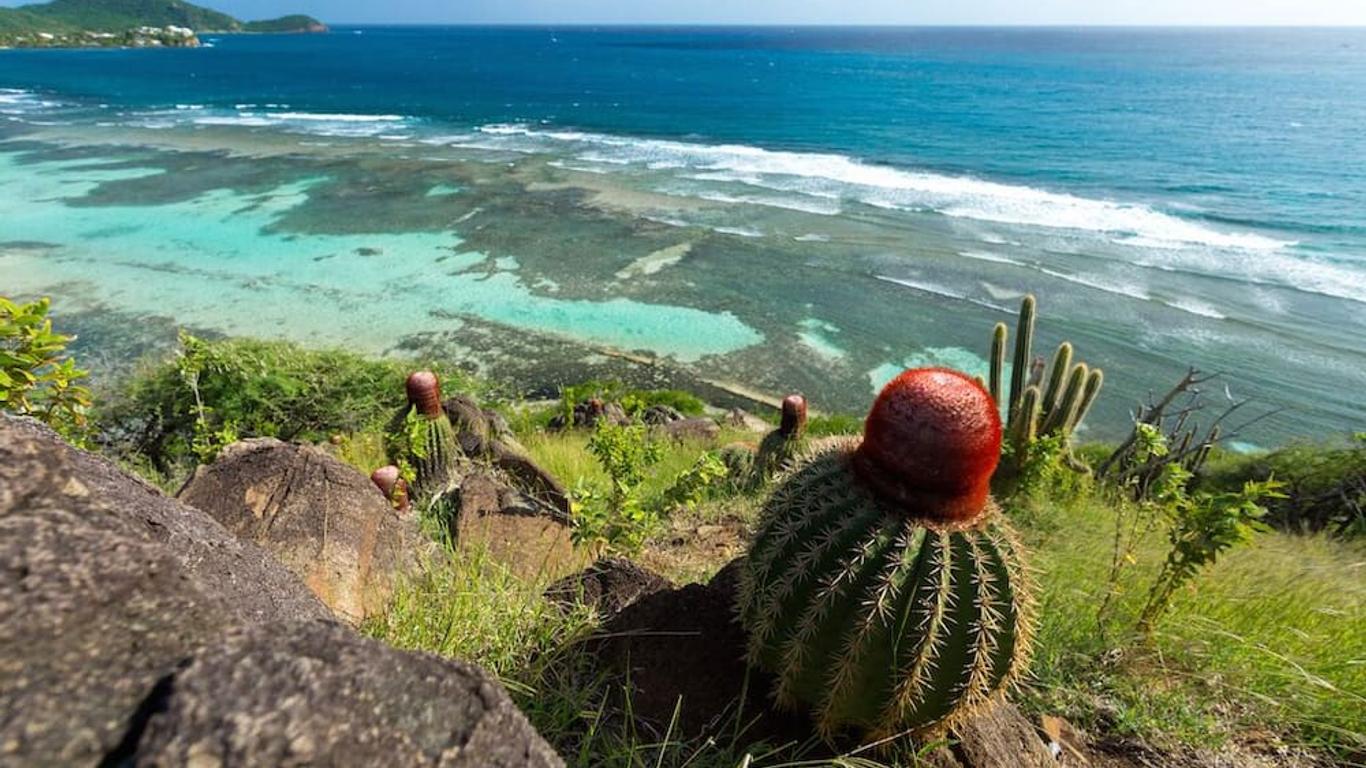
781 446
883 589
1024 345
432 449
1061 401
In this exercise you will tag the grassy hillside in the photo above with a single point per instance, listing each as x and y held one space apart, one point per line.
119 15
77 23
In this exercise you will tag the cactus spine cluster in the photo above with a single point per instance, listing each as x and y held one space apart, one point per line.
1037 406
781 446
422 439
884 590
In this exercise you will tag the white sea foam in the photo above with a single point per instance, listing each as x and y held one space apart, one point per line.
325 117
995 258
738 231
818 207
938 290
827 174
1195 308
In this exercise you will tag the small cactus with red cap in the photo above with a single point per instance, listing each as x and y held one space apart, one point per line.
389 480
780 447
422 440
884 590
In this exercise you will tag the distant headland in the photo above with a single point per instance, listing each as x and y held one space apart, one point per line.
130 23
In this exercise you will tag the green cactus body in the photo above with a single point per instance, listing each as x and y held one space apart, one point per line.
884 589
433 455
875 619
1061 399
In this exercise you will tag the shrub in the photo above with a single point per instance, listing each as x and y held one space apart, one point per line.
617 520
1324 485
37 378
213 392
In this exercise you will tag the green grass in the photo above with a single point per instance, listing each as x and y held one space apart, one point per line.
1272 636
468 607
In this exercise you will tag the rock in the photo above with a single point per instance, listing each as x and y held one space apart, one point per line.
608 586
686 643
243 579
322 518
485 435
511 528
315 693
691 429
105 587
742 419
93 617
589 412
995 737
660 414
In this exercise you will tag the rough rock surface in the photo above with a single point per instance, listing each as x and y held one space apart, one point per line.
105 587
661 414
686 643
511 528
484 435
690 429
608 586
245 581
315 693
115 603
94 616
322 518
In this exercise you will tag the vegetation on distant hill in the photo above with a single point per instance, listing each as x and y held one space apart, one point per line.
94 23
120 15
297 22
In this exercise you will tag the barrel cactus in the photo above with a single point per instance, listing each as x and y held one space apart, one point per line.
422 440
884 590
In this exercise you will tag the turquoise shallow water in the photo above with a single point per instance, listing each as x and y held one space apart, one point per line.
793 210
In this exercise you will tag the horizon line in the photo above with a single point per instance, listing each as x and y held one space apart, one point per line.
826 25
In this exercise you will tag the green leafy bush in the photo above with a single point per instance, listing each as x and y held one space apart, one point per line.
617 520
213 392
633 401
705 479
1324 485
1199 527
37 378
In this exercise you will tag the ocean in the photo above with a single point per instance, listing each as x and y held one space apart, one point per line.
769 209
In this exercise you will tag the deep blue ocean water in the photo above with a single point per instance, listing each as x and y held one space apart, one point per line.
1174 196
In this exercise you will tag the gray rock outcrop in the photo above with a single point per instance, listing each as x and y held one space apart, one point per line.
321 517
315 693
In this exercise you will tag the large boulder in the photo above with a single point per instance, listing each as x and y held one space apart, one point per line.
322 518
608 586
94 617
38 468
115 603
106 586
513 529
315 693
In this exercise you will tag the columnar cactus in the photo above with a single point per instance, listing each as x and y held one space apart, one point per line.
1036 407
781 446
883 589
422 437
